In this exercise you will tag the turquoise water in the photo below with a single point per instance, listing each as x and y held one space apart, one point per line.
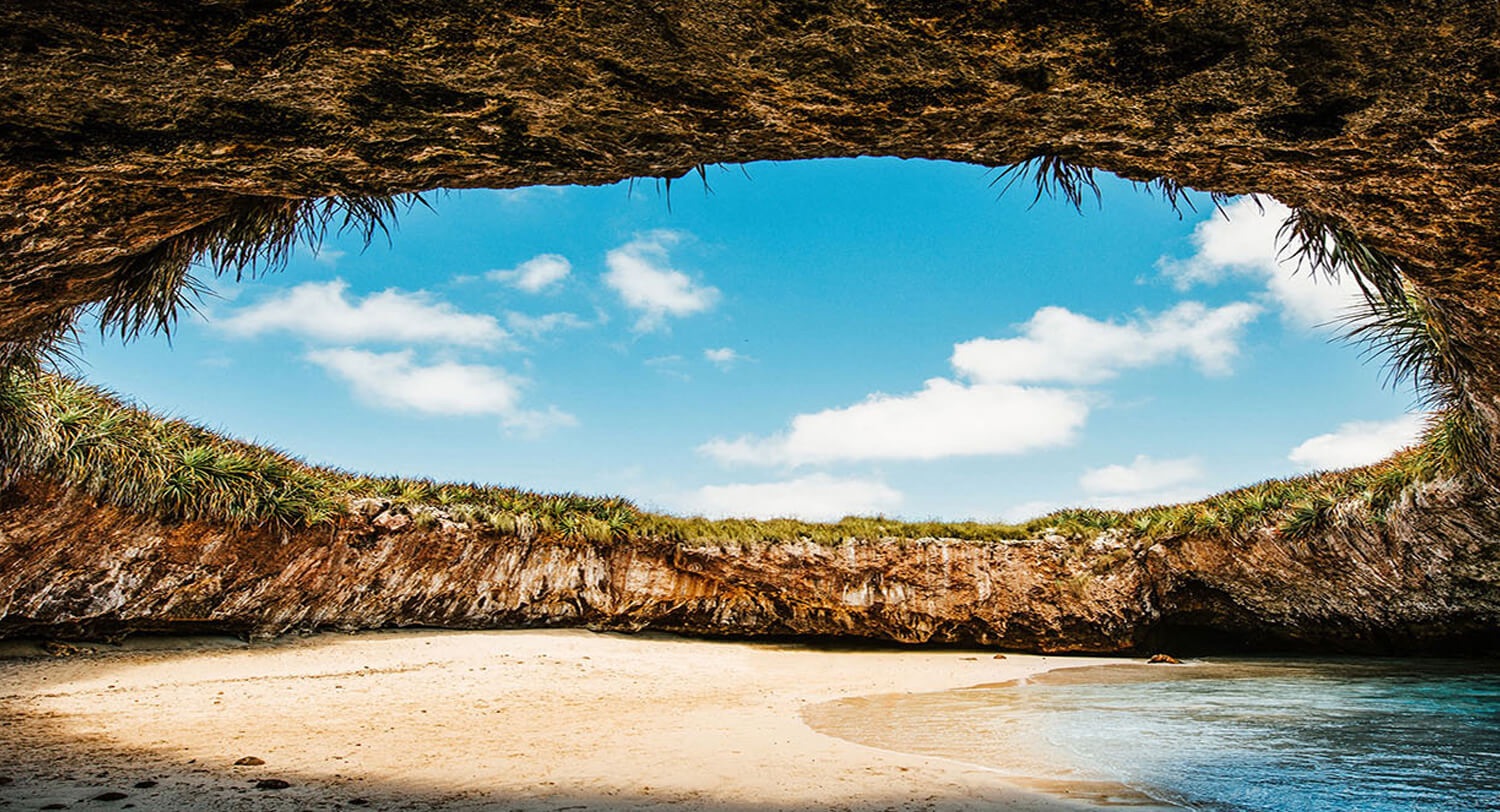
1325 736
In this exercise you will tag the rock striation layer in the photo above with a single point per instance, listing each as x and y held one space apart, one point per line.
1427 581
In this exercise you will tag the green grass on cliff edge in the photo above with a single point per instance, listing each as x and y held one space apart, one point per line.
58 428
122 455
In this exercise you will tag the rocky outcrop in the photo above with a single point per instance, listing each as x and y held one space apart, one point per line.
1426 581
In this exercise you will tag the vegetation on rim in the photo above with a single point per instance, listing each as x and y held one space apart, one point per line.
125 456
128 457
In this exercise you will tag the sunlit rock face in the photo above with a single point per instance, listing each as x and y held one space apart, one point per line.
1428 581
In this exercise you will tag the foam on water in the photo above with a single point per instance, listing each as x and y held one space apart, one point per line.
1299 736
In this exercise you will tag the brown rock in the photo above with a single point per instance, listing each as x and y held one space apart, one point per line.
998 657
249 761
392 522
1430 596
1164 658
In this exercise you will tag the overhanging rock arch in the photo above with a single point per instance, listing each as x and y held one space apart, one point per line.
124 126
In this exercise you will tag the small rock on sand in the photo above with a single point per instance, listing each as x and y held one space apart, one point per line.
250 761
145 784
999 657
271 783
1164 658
110 796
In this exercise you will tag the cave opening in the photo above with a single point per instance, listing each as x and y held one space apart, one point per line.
781 339
144 135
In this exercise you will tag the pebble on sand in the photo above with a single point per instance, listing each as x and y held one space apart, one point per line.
272 783
250 761
1164 658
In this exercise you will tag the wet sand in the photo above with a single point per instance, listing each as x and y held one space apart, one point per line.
523 720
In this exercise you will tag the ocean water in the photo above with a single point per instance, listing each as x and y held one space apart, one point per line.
1232 736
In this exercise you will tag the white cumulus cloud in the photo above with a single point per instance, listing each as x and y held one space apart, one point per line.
990 412
1060 345
641 273
814 498
396 380
944 419
1246 244
543 272
1359 442
324 311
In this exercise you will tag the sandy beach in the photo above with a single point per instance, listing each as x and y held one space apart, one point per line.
523 720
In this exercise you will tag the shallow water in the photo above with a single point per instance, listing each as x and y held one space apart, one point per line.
1233 736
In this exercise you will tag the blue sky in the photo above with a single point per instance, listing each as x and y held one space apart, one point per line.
811 338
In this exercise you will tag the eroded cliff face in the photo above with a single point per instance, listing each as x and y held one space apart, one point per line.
1426 581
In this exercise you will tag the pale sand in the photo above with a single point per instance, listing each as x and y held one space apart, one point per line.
527 720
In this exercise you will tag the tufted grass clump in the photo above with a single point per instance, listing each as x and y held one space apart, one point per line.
133 459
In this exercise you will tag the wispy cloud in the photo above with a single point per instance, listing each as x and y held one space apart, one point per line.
1142 475
1144 481
641 273
396 380
816 498
669 365
723 357
1244 243
538 326
324 311
1059 345
1359 442
328 256
540 274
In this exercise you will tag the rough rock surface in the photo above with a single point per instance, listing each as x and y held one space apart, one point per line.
1349 589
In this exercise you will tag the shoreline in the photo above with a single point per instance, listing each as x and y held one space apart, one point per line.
526 720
